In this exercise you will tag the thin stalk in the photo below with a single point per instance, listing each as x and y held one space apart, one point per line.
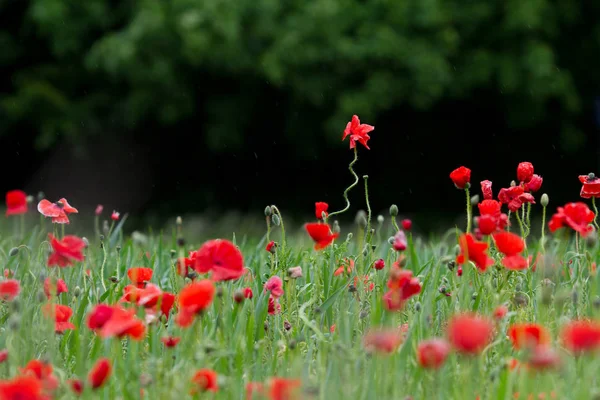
543 226
103 265
595 213
275 209
366 178
468 210
349 187
520 225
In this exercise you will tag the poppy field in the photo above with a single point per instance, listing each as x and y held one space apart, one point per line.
503 306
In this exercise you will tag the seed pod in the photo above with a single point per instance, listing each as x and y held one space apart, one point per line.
275 219
268 211
380 219
394 210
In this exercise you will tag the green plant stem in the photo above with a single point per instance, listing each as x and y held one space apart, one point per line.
508 221
468 210
395 224
275 209
595 214
520 225
543 227
366 178
103 265
349 187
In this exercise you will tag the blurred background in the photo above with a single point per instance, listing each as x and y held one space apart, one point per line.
159 108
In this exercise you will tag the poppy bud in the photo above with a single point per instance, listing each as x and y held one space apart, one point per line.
351 288
363 314
77 291
180 242
349 237
118 248
287 326
238 296
219 292
295 272
86 242
380 219
113 279
292 345
391 240
451 264
394 210
417 306
13 252
29 199
379 264
544 200
596 302
336 227
14 323
361 219
178 221
40 196
520 300
474 200
324 215
268 211
101 238
513 183
474 296
275 219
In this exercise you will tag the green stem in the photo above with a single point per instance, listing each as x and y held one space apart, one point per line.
349 187
275 209
543 226
468 210
395 225
508 221
102 266
520 224
366 178
595 213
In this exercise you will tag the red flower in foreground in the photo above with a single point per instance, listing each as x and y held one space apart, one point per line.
461 177
581 336
486 190
43 372
320 208
183 263
21 387
140 276
515 196
222 258
402 286
205 379
469 334
122 323
576 216
57 211
76 386
170 341
54 288
591 186
528 335
275 286
384 341
65 251
534 184
193 299
358 132
283 389
9 289
100 373
525 171
321 234
99 316
16 202
61 314
432 353
511 245
472 250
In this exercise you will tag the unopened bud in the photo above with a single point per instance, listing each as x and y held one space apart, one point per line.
41 296
451 265
380 219
275 219
219 292
77 291
178 221
591 176
544 200
238 296
29 199
336 227
513 183
173 253
118 248
474 200
361 219
287 326
180 242
14 323
467 185
101 238
13 252
323 215
352 288
474 296
391 240
105 228
363 314
86 242
268 211
394 210
349 237
417 306
40 196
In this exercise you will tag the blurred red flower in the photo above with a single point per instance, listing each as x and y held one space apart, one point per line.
9 289
358 132
205 379
100 373
469 334
581 336
99 316
140 276
402 286
57 211
527 335
433 353
65 251
76 386
54 288
222 258
122 323
511 245
16 202
170 341
193 299
283 388
472 250
61 315
321 234
320 208
43 371
21 387
346 267
576 216
383 341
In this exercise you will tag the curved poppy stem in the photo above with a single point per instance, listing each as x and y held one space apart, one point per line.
595 214
349 187
520 225
366 178
468 210
103 265
543 226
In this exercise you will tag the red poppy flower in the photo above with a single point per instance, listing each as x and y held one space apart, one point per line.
76 386
534 184
193 299
283 389
515 196
43 372
273 307
320 208
275 286
543 358
115 215
170 341
472 250
358 132
222 258
271 247
321 234
406 224
346 267
9 289
528 335
99 209
577 216
511 245
3 355
16 202
581 336
486 190
461 177
469 334
140 276
383 341
99 316
248 293
379 264
61 315
432 353
100 373
57 211
65 251
491 218
54 288
500 312
402 286
591 186
122 323
21 387
205 379
254 388
184 263
400 243
524 171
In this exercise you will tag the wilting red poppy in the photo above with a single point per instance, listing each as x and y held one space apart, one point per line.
222 258
528 335
486 190
383 341
581 336
170 341
534 184
543 358
402 286
57 211
140 276
511 245
76 386
122 323
432 353
54 288
321 234
461 176
577 216
514 197
43 371
273 307
271 246
400 243
358 132
21 387
591 186
320 208
193 299
254 388
346 267
205 379
115 216
472 250
61 314
275 286
524 171
16 202
99 316
500 312
379 264
65 251
9 289
469 334
283 388
100 373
